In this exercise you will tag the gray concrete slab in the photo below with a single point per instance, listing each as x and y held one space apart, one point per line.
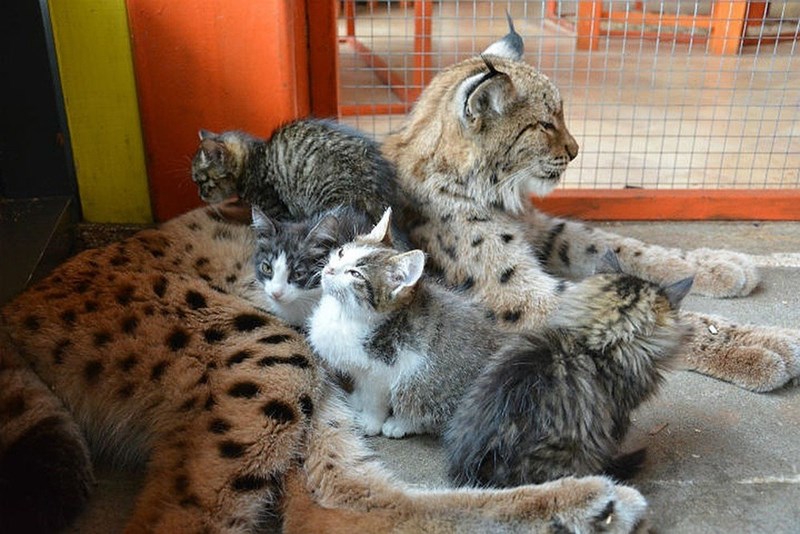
720 459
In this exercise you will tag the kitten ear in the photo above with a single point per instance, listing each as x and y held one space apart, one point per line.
382 233
213 149
609 263
406 272
206 134
677 291
483 94
510 46
324 230
262 224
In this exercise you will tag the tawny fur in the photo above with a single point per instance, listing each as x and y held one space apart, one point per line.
483 134
156 352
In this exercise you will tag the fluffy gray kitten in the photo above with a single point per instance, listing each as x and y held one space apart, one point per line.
410 346
290 255
558 403
306 166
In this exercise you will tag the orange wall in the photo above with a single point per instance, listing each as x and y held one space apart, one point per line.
217 65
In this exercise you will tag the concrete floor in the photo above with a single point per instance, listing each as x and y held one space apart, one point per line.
720 459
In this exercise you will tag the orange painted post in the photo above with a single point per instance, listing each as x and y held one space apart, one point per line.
587 27
217 65
422 74
323 59
727 26
350 17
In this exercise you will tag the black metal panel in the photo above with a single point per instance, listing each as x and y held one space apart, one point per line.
34 155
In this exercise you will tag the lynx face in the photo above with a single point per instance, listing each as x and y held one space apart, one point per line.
495 124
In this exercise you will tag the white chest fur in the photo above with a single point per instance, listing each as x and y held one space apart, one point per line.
338 337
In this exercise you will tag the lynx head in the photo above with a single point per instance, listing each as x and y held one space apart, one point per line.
370 278
489 128
218 164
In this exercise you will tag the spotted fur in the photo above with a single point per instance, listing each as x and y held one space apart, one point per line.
156 348
483 135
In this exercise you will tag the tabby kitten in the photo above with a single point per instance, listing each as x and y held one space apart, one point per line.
558 402
306 166
290 255
410 346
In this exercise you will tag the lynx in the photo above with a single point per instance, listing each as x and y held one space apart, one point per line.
486 133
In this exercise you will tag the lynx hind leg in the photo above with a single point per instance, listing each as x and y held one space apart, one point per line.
758 358
222 467
45 469
573 250
342 488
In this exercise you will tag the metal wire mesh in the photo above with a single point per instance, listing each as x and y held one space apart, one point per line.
652 106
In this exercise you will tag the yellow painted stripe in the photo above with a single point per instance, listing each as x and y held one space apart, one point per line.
96 68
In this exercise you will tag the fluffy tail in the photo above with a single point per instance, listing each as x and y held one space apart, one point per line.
45 469
625 466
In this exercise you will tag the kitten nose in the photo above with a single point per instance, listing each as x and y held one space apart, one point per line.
277 294
328 270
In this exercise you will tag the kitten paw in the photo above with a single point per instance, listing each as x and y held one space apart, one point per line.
370 426
608 508
722 273
395 428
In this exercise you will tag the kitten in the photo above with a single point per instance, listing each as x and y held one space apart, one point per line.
306 166
409 345
558 402
290 255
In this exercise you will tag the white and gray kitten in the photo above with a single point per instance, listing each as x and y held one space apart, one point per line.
410 346
290 255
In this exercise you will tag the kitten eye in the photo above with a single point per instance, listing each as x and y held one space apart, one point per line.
340 252
355 274
547 126
265 268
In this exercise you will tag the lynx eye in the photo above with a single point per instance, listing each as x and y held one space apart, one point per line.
265 268
547 126
355 274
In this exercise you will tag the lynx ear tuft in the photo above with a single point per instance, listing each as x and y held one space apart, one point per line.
510 47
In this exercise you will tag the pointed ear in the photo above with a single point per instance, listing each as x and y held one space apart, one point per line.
262 224
206 134
484 94
382 233
609 263
676 292
325 229
406 271
510 46
213 149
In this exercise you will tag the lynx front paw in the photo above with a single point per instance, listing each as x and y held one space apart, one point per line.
721 273
758 358
608 507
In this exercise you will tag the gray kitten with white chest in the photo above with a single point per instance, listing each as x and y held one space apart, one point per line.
289 256
410 346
